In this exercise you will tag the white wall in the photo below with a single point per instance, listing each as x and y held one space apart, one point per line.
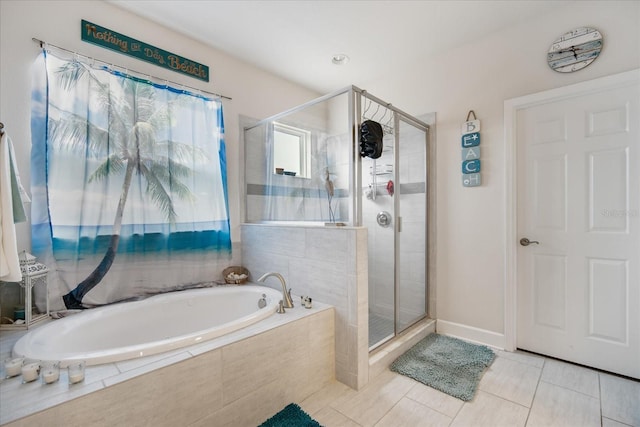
255 93
481 76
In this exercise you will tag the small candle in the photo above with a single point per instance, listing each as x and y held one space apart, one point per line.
50 372
76 373
50 376
30 372
76 377
13 367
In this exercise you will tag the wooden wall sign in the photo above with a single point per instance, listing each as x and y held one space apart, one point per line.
101 36
470 142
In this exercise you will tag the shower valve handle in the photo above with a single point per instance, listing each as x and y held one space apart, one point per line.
384 219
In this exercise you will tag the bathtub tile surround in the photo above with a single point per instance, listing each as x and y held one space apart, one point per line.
276 351
146 368
238 379
329 265
298 369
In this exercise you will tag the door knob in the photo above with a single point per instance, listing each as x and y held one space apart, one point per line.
526 242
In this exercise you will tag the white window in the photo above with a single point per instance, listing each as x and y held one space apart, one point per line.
291 150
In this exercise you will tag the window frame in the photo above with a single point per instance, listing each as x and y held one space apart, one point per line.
304 138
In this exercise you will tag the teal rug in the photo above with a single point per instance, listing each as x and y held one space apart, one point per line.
291 416
447 364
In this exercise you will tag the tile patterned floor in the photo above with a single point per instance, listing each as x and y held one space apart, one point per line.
519 389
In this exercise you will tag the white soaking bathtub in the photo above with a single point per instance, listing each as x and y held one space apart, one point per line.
154 325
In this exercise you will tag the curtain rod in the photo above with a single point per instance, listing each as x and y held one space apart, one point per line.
43 44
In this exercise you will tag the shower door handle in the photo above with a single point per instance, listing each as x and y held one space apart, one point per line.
399 223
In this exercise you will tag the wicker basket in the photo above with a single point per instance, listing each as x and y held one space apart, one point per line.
235 270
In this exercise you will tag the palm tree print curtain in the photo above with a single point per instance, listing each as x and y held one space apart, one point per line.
128 182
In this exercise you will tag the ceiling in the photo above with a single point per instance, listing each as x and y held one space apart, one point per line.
298 39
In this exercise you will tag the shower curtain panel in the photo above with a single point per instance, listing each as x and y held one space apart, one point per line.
128 182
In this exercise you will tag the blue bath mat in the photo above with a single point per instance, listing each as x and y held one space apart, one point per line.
291 416
447 364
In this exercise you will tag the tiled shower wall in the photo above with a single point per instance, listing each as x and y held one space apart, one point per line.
287 198
329 264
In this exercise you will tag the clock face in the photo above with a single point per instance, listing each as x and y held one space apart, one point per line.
575 50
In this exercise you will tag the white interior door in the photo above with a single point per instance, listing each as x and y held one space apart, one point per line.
578 186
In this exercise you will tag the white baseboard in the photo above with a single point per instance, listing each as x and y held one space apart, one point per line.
472 334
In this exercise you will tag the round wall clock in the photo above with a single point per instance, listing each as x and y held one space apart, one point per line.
575 50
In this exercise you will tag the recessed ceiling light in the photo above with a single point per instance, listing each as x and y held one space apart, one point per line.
340 59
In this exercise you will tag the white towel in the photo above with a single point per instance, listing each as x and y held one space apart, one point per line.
9 262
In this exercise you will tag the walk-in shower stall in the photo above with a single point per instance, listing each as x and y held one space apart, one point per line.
318 164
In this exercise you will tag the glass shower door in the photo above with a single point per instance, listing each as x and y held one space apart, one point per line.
394 211
411 227
378 209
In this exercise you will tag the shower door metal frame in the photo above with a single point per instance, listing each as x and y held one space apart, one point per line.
355 167
398 223
354 101
357 183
